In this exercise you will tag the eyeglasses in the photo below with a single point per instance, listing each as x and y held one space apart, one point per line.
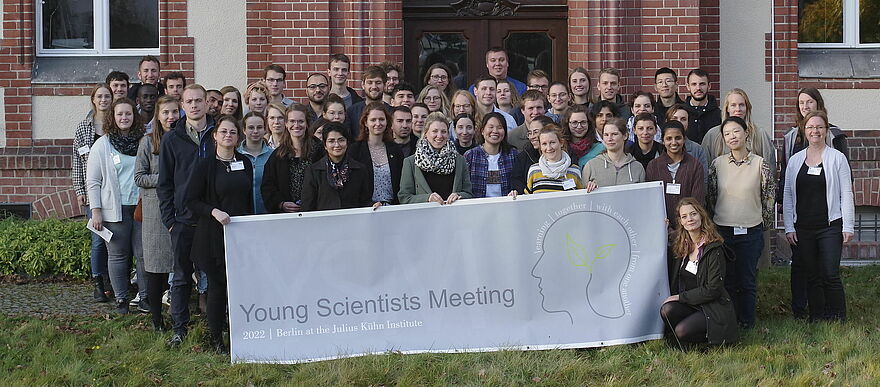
665 81
560 95
438 77
815 127
318 86
224 133
334 141
542 87
578 124
432 98
274 80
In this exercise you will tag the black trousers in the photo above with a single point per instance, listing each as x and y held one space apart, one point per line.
156 285
687 322
217 299
820 250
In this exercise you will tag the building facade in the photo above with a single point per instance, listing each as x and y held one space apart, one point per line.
768 48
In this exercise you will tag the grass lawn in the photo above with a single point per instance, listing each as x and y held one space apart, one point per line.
779 351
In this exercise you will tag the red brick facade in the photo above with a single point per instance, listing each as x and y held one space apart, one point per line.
635 36
38 171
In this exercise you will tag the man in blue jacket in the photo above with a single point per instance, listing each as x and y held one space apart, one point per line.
189 140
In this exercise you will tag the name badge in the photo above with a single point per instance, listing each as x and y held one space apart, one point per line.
691 267
116 159
236 165
815 171
83 150
740 231
673 189
568 184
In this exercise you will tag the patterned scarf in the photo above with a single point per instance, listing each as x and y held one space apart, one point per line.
338 173
128 144
428 159
580 148
555 169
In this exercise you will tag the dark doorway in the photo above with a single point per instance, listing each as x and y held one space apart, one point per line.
458 34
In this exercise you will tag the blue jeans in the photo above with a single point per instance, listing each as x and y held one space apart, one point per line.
125 242
742 274
98 252
201 283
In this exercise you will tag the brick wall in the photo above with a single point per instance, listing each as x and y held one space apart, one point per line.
301 35
38 171
639 36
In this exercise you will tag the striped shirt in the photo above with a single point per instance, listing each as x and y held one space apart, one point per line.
536 182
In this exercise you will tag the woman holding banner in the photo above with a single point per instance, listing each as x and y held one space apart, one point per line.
699 310
215 194
554 170
337 181
375 149
436 172
492 162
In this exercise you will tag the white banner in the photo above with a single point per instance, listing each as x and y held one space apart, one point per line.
562 270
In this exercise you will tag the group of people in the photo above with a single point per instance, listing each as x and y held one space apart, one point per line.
164 166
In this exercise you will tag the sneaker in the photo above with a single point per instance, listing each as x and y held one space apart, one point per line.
143 306
134 301
166 298
176 340
121 306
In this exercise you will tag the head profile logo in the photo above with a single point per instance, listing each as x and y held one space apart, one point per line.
582 261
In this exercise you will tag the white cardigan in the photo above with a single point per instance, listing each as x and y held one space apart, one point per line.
838 188
102 183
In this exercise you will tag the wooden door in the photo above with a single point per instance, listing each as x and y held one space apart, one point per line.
535 36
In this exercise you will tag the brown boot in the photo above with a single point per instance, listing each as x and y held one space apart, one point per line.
203 303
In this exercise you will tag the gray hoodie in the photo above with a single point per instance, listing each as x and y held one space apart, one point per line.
602 171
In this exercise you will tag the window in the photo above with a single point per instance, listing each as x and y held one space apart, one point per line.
97 27
838 23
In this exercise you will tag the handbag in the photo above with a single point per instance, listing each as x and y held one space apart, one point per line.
139 211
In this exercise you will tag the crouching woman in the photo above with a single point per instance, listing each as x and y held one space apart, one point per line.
699 310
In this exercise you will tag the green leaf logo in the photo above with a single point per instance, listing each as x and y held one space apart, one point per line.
578 255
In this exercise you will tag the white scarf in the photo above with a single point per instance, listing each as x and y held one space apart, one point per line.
555 169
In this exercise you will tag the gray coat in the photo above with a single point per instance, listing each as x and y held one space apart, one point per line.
158 256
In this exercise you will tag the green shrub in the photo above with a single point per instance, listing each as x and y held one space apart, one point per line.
44 247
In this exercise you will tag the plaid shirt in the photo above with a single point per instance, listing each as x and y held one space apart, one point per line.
478 163
82 138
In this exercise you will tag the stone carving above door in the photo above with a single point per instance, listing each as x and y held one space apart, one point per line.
482 8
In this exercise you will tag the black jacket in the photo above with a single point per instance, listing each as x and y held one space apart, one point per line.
524 160
276 177
710 296
202 198
702 118
660 110
177 155
360 151
319 195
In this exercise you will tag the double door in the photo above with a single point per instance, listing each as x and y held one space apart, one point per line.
461 44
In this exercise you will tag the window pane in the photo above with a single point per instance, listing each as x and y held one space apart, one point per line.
68 24
447 48
527 51
134 24
869 21
821 21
